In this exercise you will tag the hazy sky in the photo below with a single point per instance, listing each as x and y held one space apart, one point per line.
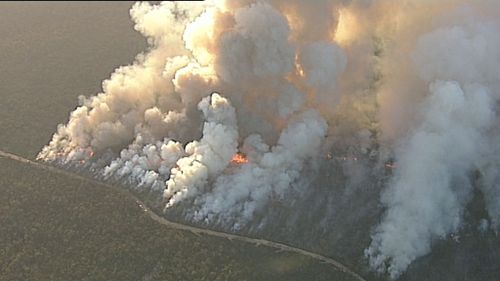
50 53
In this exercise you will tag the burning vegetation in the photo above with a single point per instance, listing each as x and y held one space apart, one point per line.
239 158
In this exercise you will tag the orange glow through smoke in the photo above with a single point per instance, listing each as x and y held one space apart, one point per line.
239 158
347 28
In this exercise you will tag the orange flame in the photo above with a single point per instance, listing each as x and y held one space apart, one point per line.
239 158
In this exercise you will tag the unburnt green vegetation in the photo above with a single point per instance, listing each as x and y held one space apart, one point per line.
55 227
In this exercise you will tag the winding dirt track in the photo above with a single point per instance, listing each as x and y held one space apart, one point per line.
192 229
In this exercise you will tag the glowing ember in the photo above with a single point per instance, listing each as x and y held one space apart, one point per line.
390 165
239 158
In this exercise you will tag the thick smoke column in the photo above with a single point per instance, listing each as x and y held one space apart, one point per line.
427 195
209 156
270 172
434 181
159 123
283 84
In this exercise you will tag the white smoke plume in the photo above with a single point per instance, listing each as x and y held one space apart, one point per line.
436 162
427 195
233 100
269 172
209 156
149 112
146 164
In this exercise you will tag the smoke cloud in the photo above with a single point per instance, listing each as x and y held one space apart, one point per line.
164 126
269 173
448 142
234 100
